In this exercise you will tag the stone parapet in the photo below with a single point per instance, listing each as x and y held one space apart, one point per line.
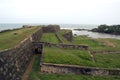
66 46
51 29
74 69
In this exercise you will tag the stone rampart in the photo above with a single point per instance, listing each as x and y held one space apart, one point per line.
105 51
74 69
51 28
37 35
68 35
14 61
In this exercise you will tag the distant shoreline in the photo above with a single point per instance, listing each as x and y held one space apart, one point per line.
113 29
4 26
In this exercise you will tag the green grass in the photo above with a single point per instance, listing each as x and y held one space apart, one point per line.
81 58
108 60
95 44
35 69
67 56
9 40
49 37
35 74
40 76
88 41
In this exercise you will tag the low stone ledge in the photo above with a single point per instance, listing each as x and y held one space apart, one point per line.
65 46
105 51
74 69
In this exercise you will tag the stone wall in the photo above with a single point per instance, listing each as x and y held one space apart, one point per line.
105 51
13 62
66 46
73 69
55 28
51 28
60 41
37 35
68 36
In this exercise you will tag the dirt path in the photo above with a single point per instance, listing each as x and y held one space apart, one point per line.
107 43
29 68
91 56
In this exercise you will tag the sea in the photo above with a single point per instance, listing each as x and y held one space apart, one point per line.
68 26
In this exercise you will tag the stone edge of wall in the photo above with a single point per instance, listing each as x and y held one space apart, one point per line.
105 52
66 46
74 69
68 35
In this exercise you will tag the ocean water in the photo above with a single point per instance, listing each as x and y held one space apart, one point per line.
12 26
68 26
9 26
78 26
63 26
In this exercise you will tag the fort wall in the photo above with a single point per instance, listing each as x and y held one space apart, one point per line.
51 28
13 62
74 69
68 36
105 51
65 46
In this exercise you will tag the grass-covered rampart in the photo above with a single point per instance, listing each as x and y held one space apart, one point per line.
97 44
77 57
80 57
10 39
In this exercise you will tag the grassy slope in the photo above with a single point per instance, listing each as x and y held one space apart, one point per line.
9 40
37 75
88 41
77 57
95 44
49 37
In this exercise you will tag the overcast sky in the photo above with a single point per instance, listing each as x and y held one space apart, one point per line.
60 11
